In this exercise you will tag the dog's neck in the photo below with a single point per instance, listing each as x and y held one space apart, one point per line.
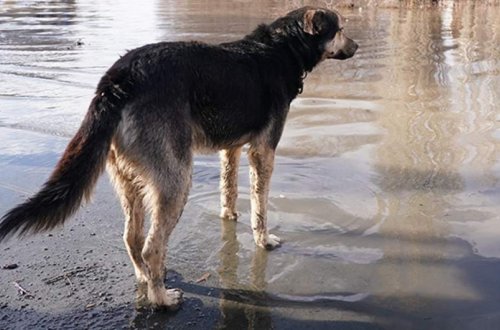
288 37
292 45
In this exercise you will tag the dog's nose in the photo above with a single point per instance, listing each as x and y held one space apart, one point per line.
352 48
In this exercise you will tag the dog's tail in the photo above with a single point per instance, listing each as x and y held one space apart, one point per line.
79 167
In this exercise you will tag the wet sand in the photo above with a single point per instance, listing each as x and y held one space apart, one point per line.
386 187
81 277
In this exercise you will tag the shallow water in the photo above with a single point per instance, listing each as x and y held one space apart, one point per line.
386 189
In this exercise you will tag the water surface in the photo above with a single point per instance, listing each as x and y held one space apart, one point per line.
386 189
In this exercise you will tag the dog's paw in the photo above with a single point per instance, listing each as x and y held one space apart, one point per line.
170 299
228 214
269 243
273 242
175 298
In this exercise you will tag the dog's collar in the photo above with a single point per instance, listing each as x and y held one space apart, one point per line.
301 87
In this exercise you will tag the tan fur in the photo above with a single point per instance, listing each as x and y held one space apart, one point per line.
165 196
332 47
308 21
261 161
230 159
131 197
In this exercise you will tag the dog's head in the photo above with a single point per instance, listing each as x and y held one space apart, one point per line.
320 29
328 28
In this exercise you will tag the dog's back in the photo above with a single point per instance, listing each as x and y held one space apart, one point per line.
227 93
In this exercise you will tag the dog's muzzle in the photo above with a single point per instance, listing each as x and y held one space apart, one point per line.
346 52
343 48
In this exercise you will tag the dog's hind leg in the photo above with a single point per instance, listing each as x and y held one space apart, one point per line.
261 161
167 194
230 159
131 197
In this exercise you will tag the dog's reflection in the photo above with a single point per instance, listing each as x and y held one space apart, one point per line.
239 311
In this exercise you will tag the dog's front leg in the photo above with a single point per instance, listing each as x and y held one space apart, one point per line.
229 161
261 161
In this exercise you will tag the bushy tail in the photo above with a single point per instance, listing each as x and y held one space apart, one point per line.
77 171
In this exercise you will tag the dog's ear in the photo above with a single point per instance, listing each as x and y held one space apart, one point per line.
313 21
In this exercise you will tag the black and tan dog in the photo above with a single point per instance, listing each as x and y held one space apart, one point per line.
159 104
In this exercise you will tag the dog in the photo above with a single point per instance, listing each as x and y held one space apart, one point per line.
158 105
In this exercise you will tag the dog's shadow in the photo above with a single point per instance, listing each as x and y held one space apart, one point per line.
232 305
